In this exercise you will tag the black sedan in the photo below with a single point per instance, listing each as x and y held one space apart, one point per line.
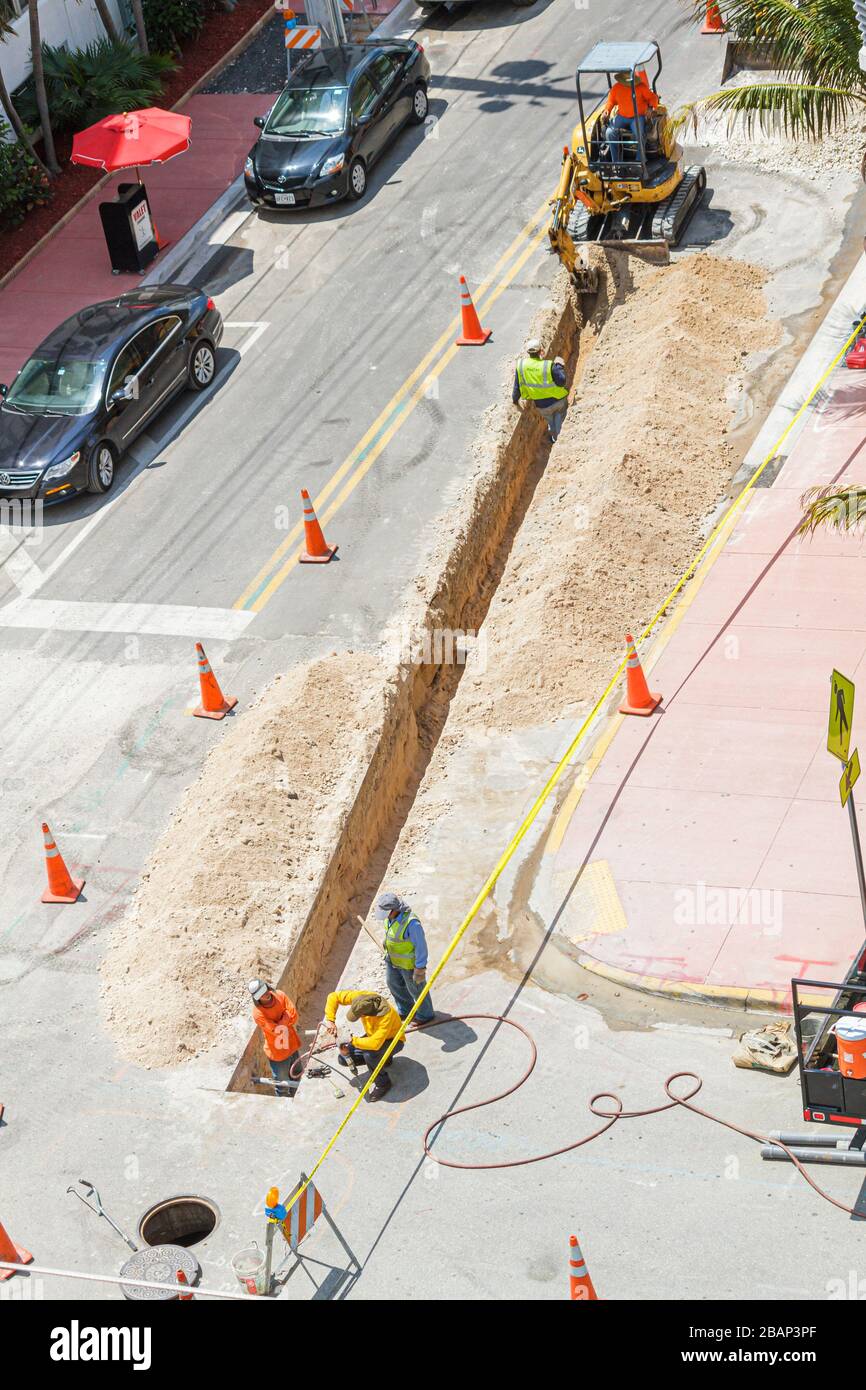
96 382
339 111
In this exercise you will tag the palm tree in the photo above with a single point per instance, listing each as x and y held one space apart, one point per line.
39 84
815 46
11 114
107 21
140 26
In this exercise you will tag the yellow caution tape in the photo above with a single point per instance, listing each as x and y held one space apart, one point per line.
539 802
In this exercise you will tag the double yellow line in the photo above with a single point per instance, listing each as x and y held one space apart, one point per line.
365 453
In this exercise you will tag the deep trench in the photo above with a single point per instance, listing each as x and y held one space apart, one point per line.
416 721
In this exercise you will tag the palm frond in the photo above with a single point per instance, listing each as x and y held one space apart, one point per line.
88 83
814 39
7 14
797 109
838 509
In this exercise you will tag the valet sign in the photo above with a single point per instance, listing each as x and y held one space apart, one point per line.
142 226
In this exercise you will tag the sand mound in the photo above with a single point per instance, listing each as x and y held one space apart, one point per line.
289 812
643 456
233 877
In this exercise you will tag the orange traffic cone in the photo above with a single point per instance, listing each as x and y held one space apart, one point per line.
713 23
317 552
12 1253
639 699
182 1279
473 334
213 705
62 887
580 1286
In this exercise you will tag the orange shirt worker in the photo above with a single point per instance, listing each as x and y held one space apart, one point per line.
627 118
276 1016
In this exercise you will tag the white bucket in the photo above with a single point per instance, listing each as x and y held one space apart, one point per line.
249 1266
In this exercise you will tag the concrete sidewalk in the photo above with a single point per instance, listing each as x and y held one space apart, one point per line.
73 269
704 850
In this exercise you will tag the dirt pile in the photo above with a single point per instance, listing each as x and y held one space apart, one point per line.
290 826
231 882
643 456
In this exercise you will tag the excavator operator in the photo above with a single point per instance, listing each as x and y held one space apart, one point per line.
627 118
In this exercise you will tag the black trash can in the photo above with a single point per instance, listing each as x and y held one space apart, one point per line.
129 231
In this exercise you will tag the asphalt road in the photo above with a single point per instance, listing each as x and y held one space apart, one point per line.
337 375
329 316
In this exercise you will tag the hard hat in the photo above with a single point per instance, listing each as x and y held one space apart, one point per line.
364 1005
534 345
389 902
258 988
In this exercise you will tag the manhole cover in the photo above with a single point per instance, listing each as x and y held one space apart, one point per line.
181 1220
160 1263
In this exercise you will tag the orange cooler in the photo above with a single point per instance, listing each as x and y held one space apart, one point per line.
851 1047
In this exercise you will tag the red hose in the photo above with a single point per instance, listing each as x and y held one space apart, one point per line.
609 1116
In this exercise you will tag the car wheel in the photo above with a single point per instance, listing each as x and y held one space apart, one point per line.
357 180
419 105
100 473
202 364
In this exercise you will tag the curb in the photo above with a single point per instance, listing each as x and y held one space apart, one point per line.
199 231
722 996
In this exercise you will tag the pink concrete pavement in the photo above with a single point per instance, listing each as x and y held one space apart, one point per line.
718 819
72 269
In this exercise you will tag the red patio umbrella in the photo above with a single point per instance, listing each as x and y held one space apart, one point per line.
133 138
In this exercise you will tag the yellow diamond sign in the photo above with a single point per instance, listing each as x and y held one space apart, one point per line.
841 716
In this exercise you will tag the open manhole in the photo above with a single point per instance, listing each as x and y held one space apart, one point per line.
179 1221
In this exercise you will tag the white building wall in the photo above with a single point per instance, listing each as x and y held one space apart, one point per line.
73 22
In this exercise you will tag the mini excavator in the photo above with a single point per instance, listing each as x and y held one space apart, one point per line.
631 191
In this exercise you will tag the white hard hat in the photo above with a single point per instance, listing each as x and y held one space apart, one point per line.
258 988
534 345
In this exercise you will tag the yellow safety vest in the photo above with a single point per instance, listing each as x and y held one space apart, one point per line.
535 379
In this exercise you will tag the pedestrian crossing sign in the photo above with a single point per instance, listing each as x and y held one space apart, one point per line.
849 776
841 716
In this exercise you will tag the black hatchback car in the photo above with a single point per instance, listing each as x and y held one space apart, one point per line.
338 113
96 382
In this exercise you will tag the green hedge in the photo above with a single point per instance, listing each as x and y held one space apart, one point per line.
89 83
22 183
171 23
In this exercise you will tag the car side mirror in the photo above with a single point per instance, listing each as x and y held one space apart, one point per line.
259 121
120 396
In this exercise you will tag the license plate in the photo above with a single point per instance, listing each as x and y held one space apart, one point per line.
283 198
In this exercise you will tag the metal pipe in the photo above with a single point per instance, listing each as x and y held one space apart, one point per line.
858 856
841 1157
817 1141
128 1283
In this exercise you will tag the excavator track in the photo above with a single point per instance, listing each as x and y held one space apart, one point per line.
661 226
584 225
671 217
